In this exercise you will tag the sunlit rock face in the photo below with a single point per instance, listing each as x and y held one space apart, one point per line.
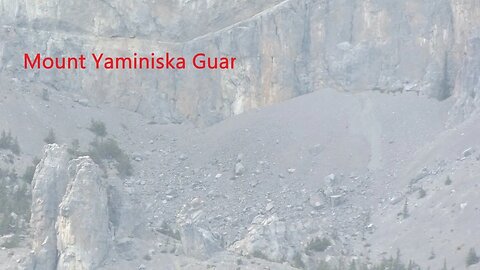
64 193
284 49
83 243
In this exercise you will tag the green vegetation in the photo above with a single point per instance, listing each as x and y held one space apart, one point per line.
51 138
318 244
8 142
98 128
30 171
14 202
74 148
422 193
103 151
472 257
385 264
110 151
448 181
167 230
432 255
258 254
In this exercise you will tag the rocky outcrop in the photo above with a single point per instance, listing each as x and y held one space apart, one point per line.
284 49
197 240
83 234
273 239
48 186
70 220
467 87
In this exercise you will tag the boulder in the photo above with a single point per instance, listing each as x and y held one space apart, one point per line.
197 240
239 169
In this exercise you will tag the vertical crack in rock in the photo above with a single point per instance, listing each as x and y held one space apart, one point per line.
83 227
49 184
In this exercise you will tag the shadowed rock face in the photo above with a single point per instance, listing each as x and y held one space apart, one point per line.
69 213
284 49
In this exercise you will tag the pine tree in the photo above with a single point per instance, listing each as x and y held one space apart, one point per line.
51 138
448 182
472 257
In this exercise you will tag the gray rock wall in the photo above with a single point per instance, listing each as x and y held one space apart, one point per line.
48 187
83 227
70 220
285 49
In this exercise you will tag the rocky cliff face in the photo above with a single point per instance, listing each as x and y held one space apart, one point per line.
197 240
468 82
64 194
285 48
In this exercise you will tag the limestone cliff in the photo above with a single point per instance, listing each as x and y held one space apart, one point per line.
285 49
83 226
70 220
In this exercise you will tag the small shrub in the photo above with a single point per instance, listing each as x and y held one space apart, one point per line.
8 142
98 128
5 140
30 171
74 148
14 205
422 193
109 150
448 181
51 138
472 257
432 255
124 166
319 244
167 230
258 254
15 147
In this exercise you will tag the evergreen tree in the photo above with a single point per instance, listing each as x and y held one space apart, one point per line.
472 257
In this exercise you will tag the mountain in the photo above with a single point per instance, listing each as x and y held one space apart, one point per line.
346 136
